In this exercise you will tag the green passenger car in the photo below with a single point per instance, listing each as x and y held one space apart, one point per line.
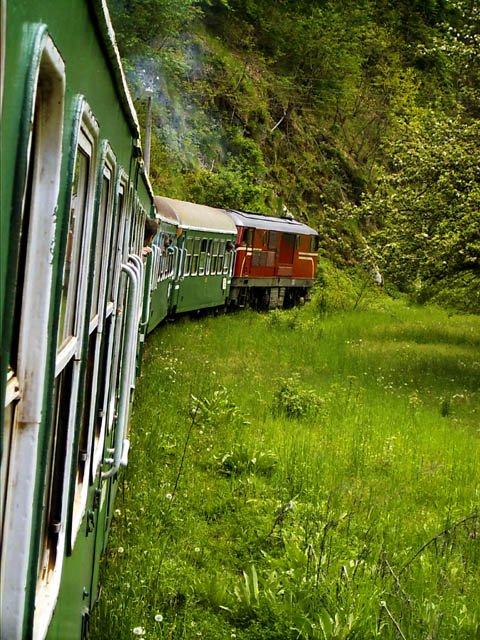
163 263
73 205
206 250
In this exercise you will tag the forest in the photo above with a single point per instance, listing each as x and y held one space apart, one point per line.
359 117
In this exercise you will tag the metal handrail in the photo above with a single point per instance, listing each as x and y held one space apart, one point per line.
121 443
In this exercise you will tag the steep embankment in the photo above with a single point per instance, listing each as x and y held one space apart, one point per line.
360 118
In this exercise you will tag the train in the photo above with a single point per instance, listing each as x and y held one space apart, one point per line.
80 293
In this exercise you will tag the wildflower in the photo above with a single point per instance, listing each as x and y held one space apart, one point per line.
139 631
197 549
118 512
158 617
169 496
120 550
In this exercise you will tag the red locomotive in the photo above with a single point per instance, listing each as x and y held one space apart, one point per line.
275 263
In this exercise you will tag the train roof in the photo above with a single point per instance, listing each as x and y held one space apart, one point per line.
270 223
197 217
165 211
109 43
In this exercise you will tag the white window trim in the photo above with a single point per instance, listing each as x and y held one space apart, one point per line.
34 341
88 143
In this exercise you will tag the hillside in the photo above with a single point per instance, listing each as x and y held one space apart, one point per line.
361 118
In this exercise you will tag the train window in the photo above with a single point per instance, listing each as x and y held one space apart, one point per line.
116 296
221 256
272 240
36 199
248 237
104 227
229 253
214 258
92 424
314 244
265 237
73 246
188 258
69 385
195 255
204 250
114 269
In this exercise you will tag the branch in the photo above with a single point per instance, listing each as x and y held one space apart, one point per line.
280 121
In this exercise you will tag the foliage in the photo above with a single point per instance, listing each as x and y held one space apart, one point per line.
360 118
425 213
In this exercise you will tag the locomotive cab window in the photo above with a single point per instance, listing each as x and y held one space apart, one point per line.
247 238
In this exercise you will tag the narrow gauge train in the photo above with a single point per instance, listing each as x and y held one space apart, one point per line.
77 299
207 257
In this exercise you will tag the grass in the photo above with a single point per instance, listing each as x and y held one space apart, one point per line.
301 475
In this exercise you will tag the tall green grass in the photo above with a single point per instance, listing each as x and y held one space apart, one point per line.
301 475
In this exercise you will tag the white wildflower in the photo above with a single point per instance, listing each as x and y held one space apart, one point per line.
139 631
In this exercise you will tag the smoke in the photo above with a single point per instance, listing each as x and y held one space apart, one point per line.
181 118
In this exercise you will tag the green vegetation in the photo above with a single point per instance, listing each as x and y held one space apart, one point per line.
360 117
302 474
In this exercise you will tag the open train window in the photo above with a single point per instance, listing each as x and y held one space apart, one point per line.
214 258
69 382
188 256
314 244
89 448
204 250
104 230
36 196
221 256
115 295
195 256
229 254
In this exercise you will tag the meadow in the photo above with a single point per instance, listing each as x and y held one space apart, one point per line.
301 475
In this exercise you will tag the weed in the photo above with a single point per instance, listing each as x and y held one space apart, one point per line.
217 410
293 401
240 459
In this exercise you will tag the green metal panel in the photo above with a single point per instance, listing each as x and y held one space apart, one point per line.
159 304
191 292
75 31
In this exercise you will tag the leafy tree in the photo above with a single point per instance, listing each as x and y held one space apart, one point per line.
425 213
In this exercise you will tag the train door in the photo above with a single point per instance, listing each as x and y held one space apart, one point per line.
286 254
28 389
